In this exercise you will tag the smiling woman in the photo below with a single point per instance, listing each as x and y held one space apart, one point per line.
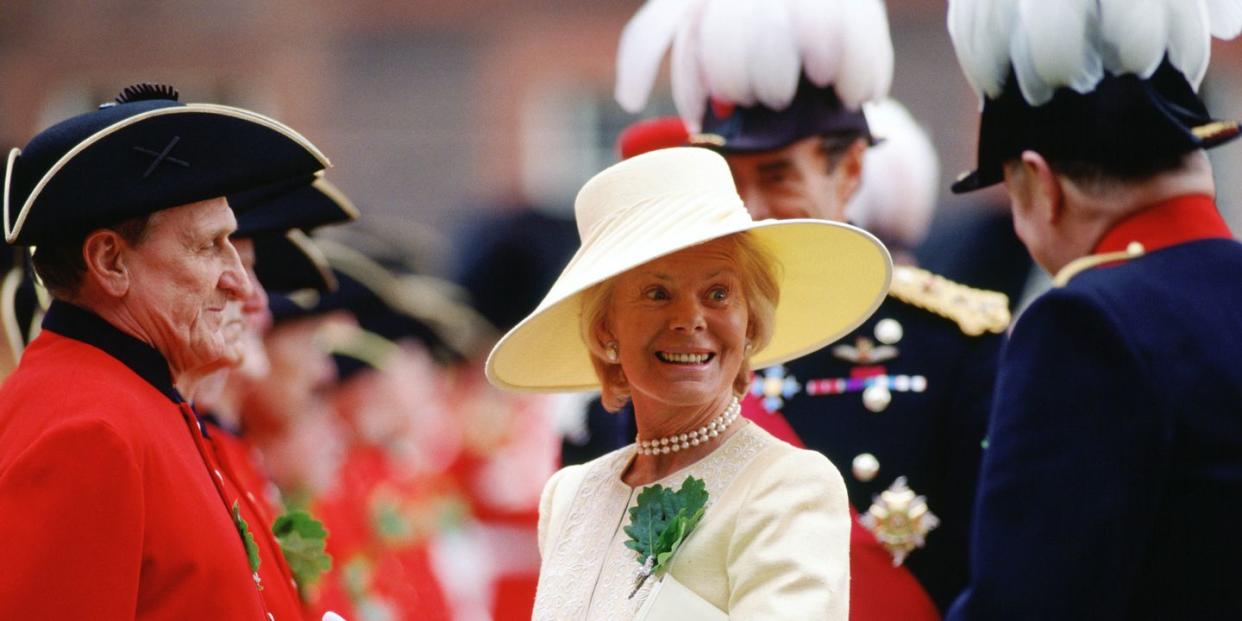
675 293
737 272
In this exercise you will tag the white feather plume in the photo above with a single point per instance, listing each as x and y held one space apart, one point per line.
749 51
903 211
1225 17
644 40
725 48
1190 39
981 31
774 61
867 58
690 89
817 26
1133 35
1061 48
1055 44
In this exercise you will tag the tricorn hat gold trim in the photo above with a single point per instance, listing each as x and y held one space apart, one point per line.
13 230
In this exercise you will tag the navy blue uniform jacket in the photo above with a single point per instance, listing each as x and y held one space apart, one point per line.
1112 484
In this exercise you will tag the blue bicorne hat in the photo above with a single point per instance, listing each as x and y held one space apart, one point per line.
145 153
1125 121
814 111
277 218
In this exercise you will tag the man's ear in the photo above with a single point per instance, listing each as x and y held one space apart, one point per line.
105 254
1044 187
848 171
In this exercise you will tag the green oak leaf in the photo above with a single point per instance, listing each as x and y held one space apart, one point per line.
252 548
647 520
302 541
662 519
692 495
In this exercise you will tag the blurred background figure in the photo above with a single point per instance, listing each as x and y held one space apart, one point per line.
271 242
286 413
897 195
505 263
338 439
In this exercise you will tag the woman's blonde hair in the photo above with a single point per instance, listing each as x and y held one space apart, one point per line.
758 271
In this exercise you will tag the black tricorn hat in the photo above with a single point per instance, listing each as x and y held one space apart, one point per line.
277 217
375 313
290 261
1126 120
814 111
145 153
306 204
390 304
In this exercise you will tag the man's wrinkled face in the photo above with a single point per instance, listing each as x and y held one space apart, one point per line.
796 181
247 319
182 275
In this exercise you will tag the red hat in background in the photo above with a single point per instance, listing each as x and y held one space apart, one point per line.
651 134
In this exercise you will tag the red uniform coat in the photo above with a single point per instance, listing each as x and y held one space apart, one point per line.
245 482
107 507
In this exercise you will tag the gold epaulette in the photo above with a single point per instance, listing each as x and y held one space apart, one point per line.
1081 264
976 311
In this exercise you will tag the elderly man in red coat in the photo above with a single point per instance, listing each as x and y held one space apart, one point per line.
112 505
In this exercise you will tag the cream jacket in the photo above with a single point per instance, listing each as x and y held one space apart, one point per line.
773 542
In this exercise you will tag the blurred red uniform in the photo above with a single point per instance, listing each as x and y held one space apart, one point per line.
379 553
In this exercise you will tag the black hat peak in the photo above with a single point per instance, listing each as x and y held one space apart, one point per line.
147 91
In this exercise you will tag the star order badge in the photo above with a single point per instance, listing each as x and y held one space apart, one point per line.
900 520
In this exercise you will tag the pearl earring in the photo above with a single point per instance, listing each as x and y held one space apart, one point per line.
611 353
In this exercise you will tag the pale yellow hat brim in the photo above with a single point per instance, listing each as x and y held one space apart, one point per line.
832 277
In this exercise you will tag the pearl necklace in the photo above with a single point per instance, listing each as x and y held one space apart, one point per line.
674 443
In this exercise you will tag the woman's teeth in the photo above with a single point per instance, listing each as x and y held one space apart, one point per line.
683 358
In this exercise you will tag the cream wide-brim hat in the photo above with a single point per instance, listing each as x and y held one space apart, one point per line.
832 276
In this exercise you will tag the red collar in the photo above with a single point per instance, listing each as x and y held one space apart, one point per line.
1175 221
